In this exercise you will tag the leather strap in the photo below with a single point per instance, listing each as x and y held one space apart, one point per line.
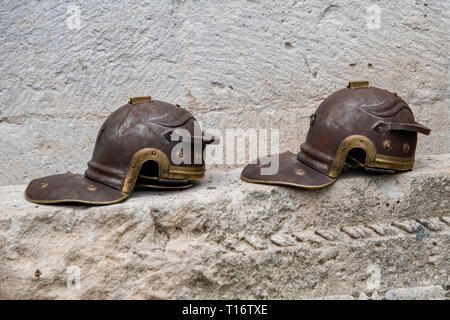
396 126
378 170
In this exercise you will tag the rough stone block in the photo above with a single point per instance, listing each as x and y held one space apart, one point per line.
225 238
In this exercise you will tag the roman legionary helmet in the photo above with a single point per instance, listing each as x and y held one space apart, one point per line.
145 143
360 125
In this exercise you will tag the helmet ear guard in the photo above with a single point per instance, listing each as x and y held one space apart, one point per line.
138 160
349 143
373 161
165 170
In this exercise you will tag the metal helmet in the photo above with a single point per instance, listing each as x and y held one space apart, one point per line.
360 125
146 143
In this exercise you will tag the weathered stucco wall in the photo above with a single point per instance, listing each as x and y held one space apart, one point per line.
262 64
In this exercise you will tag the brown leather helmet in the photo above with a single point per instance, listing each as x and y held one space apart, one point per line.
360 125
146 143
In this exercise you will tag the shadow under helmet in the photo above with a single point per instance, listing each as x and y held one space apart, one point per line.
365 126
145 143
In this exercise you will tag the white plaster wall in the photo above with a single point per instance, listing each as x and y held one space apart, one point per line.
239 64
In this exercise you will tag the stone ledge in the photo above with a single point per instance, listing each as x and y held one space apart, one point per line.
364 237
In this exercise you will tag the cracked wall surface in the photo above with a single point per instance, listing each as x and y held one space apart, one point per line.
253 64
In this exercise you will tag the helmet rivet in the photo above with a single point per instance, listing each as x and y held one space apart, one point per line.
133 166
406 147
260 165
129 180
387 145
361 140
300 172
336 169
342 148
91 188
372 159
153 152
44 185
